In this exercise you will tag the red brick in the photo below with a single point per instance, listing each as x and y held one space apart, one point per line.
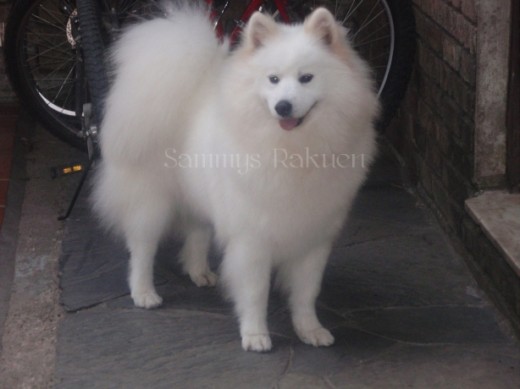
455 3
469 10
468 68
429 32
446 47
451 52
466 7
447 79
456 24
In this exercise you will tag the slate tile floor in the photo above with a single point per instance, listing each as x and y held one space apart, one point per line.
400 302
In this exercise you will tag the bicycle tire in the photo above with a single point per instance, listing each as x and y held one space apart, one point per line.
404 54
60 118
98 27
93 47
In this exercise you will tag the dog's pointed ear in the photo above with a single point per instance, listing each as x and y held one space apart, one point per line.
259 29
323 25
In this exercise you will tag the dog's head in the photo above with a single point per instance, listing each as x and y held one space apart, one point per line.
291 61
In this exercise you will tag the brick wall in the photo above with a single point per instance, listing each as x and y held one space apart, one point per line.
436 125
435 133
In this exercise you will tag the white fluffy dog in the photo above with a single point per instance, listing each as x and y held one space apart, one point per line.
264 148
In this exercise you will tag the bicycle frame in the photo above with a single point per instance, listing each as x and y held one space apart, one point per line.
252 6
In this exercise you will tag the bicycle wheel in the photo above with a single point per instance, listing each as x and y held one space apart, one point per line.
383 33
41 53
44 57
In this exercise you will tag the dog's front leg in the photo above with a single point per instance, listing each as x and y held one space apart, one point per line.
246 272
302 278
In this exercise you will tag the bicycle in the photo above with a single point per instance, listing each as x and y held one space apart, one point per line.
54 49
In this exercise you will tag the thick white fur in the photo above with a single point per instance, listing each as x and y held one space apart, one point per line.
191 136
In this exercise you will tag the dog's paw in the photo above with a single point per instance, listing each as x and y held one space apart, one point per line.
317 337
207 278
149 299
257 342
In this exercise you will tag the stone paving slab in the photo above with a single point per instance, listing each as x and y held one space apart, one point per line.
33 311
400 302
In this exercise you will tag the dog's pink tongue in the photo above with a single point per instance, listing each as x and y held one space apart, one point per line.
288 123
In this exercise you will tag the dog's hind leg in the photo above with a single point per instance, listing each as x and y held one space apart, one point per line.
302 279
194 256
143 231
142 288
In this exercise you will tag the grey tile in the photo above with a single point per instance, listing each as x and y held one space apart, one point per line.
163 348
400 302
465 366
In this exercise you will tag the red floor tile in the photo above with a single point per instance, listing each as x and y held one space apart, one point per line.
6 141
8 118
9 110
5 166
3 192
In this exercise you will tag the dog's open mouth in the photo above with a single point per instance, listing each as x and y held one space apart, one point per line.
289 123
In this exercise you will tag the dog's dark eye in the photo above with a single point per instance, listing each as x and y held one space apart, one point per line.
304 79
274 79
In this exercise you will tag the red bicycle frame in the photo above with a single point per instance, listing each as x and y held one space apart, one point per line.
252 6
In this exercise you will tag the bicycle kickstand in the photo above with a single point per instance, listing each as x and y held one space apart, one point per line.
93 154
78 189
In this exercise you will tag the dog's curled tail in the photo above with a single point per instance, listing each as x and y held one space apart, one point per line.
159 68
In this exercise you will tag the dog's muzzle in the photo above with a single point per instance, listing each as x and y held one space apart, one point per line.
284 109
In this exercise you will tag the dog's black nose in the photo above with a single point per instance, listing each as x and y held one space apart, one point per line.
283 108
